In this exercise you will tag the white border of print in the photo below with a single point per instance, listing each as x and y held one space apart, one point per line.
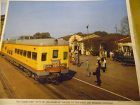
73 102
133 37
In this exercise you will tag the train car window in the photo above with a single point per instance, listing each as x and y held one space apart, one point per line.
29 54
55 53
65 55
24 53
11 52
34 55
21 51
44 56
17 51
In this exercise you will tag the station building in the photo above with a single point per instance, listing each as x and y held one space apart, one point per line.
78 42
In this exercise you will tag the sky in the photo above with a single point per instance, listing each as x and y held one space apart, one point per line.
61 18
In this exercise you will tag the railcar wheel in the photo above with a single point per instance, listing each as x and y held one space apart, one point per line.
36 77
41 80
29 74
48 80
56 82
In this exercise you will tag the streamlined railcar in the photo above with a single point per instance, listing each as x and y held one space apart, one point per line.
40 58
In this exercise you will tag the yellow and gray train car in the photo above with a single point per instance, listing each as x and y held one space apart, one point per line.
41 58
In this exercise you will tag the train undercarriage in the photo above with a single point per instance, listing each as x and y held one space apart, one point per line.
51 77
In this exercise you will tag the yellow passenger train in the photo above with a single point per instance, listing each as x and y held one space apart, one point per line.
41 58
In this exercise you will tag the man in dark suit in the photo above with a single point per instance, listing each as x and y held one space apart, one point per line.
98 74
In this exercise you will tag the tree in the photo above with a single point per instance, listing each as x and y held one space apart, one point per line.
25 37
79 33
92 45
125 26
42 35
101 33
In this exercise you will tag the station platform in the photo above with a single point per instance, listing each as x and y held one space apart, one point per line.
118 78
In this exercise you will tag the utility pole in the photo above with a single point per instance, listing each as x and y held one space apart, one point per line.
116 28
87 29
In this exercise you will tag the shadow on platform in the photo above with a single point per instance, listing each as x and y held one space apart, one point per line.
67 76
62 78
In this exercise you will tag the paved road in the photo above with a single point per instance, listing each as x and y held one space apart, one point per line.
76 88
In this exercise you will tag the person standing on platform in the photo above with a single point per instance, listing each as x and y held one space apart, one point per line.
103 64
76 57
105 54
111 55
88 69
98 58
98 74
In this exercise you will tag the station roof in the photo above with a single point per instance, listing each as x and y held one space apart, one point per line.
41 42
125 40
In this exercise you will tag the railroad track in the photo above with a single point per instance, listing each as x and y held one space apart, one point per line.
42 86
6 85
64 90
53 88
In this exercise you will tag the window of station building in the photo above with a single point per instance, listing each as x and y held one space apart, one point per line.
34 55
65 55
55 53
44 57
24 53
21 51
29 54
